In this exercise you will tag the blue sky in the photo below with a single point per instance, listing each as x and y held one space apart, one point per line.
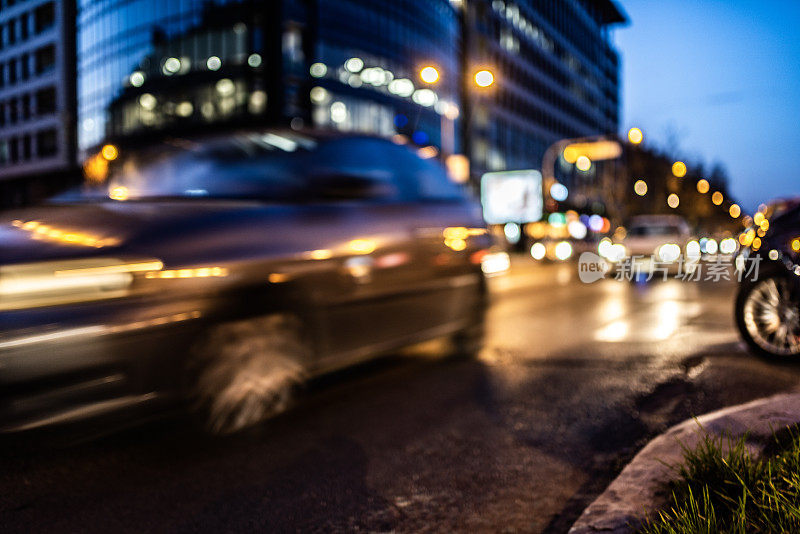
721 81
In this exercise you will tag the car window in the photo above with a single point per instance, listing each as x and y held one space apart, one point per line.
264 166
426 177
360 158
410 176
282 167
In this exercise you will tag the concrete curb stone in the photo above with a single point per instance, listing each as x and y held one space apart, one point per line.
640 487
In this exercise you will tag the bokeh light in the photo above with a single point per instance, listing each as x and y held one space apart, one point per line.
563 250
484 78
673 201
583 163
429 75
538 251
679 169
635 136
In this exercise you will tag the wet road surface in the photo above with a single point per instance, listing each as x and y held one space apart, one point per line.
574 380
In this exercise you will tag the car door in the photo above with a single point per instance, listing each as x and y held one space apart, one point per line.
450 240
372 252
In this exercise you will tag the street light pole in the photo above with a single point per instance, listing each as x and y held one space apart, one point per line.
463 85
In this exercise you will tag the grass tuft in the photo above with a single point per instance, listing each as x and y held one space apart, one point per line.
724 488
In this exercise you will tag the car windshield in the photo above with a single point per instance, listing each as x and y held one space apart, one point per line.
654 230
263 166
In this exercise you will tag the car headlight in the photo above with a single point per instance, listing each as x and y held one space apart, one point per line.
538 251
50 283
495 263
617 253
729 246
693 250
563 251
669 253
604 247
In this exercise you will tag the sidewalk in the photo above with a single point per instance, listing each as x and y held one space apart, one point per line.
640 488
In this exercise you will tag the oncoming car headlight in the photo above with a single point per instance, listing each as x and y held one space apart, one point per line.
617 253
669 253
693 250
495 263
563 251
31 285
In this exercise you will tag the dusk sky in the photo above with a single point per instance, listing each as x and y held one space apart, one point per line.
722 78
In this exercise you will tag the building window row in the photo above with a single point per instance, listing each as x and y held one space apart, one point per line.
20 29
510 16
22 68
555 98
27 147
28 106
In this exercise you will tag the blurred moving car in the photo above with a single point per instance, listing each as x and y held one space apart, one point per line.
226 271
652 239
768 301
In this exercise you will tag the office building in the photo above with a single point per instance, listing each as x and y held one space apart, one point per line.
37 96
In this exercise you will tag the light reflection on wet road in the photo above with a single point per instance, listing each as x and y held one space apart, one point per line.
574 380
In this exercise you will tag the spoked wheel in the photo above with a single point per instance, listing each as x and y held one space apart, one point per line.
768 315
248 371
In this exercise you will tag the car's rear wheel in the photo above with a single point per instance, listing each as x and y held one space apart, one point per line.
768 315
248 371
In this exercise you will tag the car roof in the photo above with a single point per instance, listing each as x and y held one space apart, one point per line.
316 134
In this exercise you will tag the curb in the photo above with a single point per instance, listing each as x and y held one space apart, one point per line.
640 487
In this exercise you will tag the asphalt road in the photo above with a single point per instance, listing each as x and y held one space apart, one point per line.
575 379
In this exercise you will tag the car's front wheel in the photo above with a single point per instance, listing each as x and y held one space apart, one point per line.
768 315
248 371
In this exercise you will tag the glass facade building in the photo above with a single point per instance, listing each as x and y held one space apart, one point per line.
168 65
151 67
557 75
37 92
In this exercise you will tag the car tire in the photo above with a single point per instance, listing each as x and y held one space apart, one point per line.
248 371
753 330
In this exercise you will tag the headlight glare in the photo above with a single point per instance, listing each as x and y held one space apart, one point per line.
50 283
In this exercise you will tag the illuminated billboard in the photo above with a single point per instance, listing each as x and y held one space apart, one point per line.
512 196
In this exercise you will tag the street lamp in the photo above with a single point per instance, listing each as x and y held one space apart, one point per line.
679 169
429 75
109 152
703 186
717 198
640 188
673 201
635 136
484 78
